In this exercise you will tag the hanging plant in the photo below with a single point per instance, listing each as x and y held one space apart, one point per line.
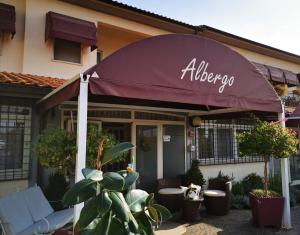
281 89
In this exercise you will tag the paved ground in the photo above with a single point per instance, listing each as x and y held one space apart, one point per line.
237 222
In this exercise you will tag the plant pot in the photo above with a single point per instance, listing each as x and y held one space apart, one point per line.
266 211
190 210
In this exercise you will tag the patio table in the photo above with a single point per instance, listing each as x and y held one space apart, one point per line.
171 198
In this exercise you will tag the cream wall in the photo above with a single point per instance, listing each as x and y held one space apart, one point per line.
239 171
263 59
7 187
11 50
38 54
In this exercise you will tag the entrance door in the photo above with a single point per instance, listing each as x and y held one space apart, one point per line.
146 156
173 151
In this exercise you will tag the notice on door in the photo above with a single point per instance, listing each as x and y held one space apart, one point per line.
166 138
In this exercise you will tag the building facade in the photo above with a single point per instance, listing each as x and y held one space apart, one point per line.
32 64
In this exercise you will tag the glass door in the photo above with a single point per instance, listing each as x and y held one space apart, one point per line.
146 156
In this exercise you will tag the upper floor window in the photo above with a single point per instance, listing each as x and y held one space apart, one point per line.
68 51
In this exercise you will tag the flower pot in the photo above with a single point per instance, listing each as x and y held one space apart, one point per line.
266 211
190 210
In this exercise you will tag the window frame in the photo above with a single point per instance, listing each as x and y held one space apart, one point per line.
64 61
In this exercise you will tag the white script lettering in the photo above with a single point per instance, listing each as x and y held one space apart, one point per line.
203 75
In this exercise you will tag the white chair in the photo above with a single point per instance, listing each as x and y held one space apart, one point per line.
28 212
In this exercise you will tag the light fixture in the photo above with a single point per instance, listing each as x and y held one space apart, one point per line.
196 121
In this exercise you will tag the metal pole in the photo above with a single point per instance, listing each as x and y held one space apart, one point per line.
81 136
286 220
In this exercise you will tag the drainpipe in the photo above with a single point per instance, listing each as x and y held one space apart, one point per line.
286 220
81 136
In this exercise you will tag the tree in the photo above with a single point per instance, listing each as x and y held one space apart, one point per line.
267 140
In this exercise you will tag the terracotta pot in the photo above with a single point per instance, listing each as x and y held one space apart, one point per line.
266 211
190 210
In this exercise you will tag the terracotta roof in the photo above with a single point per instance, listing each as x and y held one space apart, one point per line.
30 80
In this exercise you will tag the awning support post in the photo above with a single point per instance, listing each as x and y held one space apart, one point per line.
286 220
81 135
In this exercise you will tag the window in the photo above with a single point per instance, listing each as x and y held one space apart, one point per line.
68 51
15 137
216 142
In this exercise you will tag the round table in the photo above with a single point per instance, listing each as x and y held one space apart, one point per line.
171 198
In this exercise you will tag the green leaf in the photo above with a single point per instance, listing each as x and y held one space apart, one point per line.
88 213
92 174
81 191
104 203
136 200
150 200
144 223
113 181
116 227
163 212
104 224
154 215
90 229
129 177
119 206
116 151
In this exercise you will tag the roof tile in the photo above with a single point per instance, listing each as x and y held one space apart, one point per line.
30 80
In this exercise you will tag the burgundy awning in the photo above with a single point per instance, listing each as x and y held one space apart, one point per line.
291 78
263 69
278 75
7 19
178 68
70 28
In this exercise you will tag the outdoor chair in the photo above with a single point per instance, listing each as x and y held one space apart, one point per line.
217 199
170 194
28 212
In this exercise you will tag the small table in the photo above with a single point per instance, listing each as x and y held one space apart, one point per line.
171 198
190 209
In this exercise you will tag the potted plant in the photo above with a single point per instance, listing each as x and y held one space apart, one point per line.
194 175
267 140
111 205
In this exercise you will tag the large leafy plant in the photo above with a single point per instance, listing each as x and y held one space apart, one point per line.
267 140
56 148
112 207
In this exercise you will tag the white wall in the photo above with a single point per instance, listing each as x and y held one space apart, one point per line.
239 171
8 187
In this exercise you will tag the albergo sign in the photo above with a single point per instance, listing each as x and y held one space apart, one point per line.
200 72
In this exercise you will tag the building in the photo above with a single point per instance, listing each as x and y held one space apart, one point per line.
37 55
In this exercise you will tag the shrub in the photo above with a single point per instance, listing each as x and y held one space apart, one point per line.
219 181
238 188
194 175
240 202
275 183
252 181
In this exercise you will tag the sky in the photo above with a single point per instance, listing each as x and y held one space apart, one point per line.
272 22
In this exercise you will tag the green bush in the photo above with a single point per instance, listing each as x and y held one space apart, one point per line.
238 188
252 181
194 175
275 183
240 202
219 181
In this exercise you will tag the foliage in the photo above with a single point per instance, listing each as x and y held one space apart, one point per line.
266 140
194 174
55 190
108 209
219 181
274 183
263 194
240 201
238 188
56 148
252 181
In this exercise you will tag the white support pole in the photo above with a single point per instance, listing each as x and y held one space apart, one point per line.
81 136
286 220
